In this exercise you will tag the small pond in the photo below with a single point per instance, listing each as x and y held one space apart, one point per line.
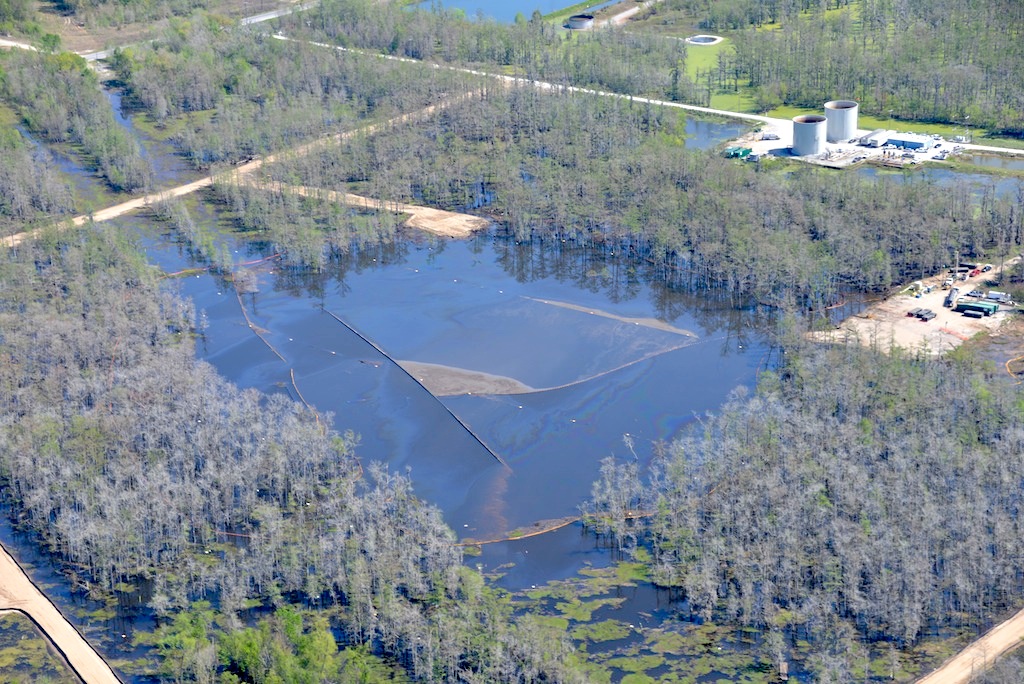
995 161
978 183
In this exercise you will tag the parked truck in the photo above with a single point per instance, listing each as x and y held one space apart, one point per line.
985 308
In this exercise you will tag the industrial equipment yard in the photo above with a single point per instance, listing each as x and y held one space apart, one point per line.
777 141
834 140
891 322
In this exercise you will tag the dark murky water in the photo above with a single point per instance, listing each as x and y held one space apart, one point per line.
169 169
600 370
109 626
995 161
573 328
702 134
81 180
978 182
490 306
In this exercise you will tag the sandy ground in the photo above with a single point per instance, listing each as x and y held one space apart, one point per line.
4 43
619 15
646 322
17 592
980 655
117 209
430 220
886 325
446 381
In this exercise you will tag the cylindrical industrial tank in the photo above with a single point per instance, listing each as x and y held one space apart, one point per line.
842 119
808 135
580 21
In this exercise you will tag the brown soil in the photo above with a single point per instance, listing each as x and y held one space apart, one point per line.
886 324
17 592
435 221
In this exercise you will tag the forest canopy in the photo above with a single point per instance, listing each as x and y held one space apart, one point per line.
854 497
131 460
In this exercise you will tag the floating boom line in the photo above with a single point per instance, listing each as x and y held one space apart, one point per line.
387 356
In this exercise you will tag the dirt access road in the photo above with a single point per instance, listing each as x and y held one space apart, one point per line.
958 669
19 593
980 655
435 221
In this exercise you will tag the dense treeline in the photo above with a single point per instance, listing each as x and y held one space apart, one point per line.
13 12
290 646
252 94
59 98
611 60
544 162
856 496
307 230
921 60
719 15
609 170
31 189
133 461
575 164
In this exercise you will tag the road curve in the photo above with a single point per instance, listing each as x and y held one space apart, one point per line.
18 592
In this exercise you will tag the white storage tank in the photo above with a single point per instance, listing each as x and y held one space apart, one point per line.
842 119
808 135
580 21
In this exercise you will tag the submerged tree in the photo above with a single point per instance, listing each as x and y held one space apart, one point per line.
855 496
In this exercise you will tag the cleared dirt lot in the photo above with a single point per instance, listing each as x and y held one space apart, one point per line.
886 324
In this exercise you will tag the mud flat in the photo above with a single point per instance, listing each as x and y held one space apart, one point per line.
646 322
444 381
